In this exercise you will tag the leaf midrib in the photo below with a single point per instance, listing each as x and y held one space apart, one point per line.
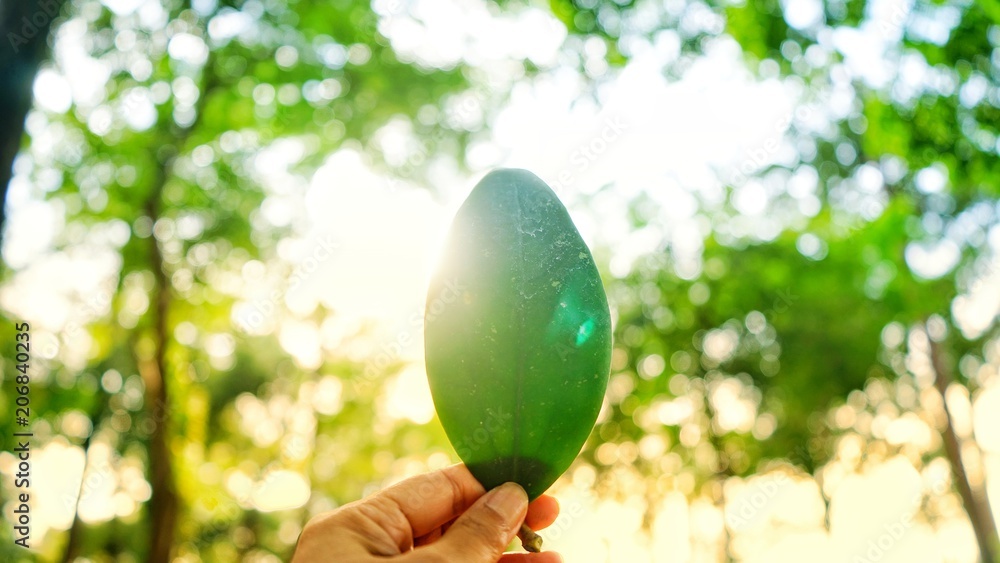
519 386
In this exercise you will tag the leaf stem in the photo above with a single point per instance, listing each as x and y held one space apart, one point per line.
530 541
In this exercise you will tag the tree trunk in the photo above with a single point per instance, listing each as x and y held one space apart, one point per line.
164 503
24 33
977 505
72 549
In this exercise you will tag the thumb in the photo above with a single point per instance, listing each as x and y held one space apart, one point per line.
487 527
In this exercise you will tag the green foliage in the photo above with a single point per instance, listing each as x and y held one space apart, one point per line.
754 24
186 188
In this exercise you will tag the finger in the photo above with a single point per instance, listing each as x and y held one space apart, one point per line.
428 539
542 512
343 533
430 500
484 531
446 526
543 557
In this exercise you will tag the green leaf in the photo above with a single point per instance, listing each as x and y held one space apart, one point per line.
518 334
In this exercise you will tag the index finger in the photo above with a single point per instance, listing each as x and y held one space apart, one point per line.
430 500
542 512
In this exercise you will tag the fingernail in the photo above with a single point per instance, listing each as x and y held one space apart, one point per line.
508 500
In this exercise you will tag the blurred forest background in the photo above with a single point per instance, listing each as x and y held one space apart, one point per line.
222 216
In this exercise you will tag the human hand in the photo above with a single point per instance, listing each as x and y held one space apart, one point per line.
444 516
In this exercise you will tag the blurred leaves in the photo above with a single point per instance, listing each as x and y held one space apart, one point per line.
780 344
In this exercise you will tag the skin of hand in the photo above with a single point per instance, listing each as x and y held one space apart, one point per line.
443 516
